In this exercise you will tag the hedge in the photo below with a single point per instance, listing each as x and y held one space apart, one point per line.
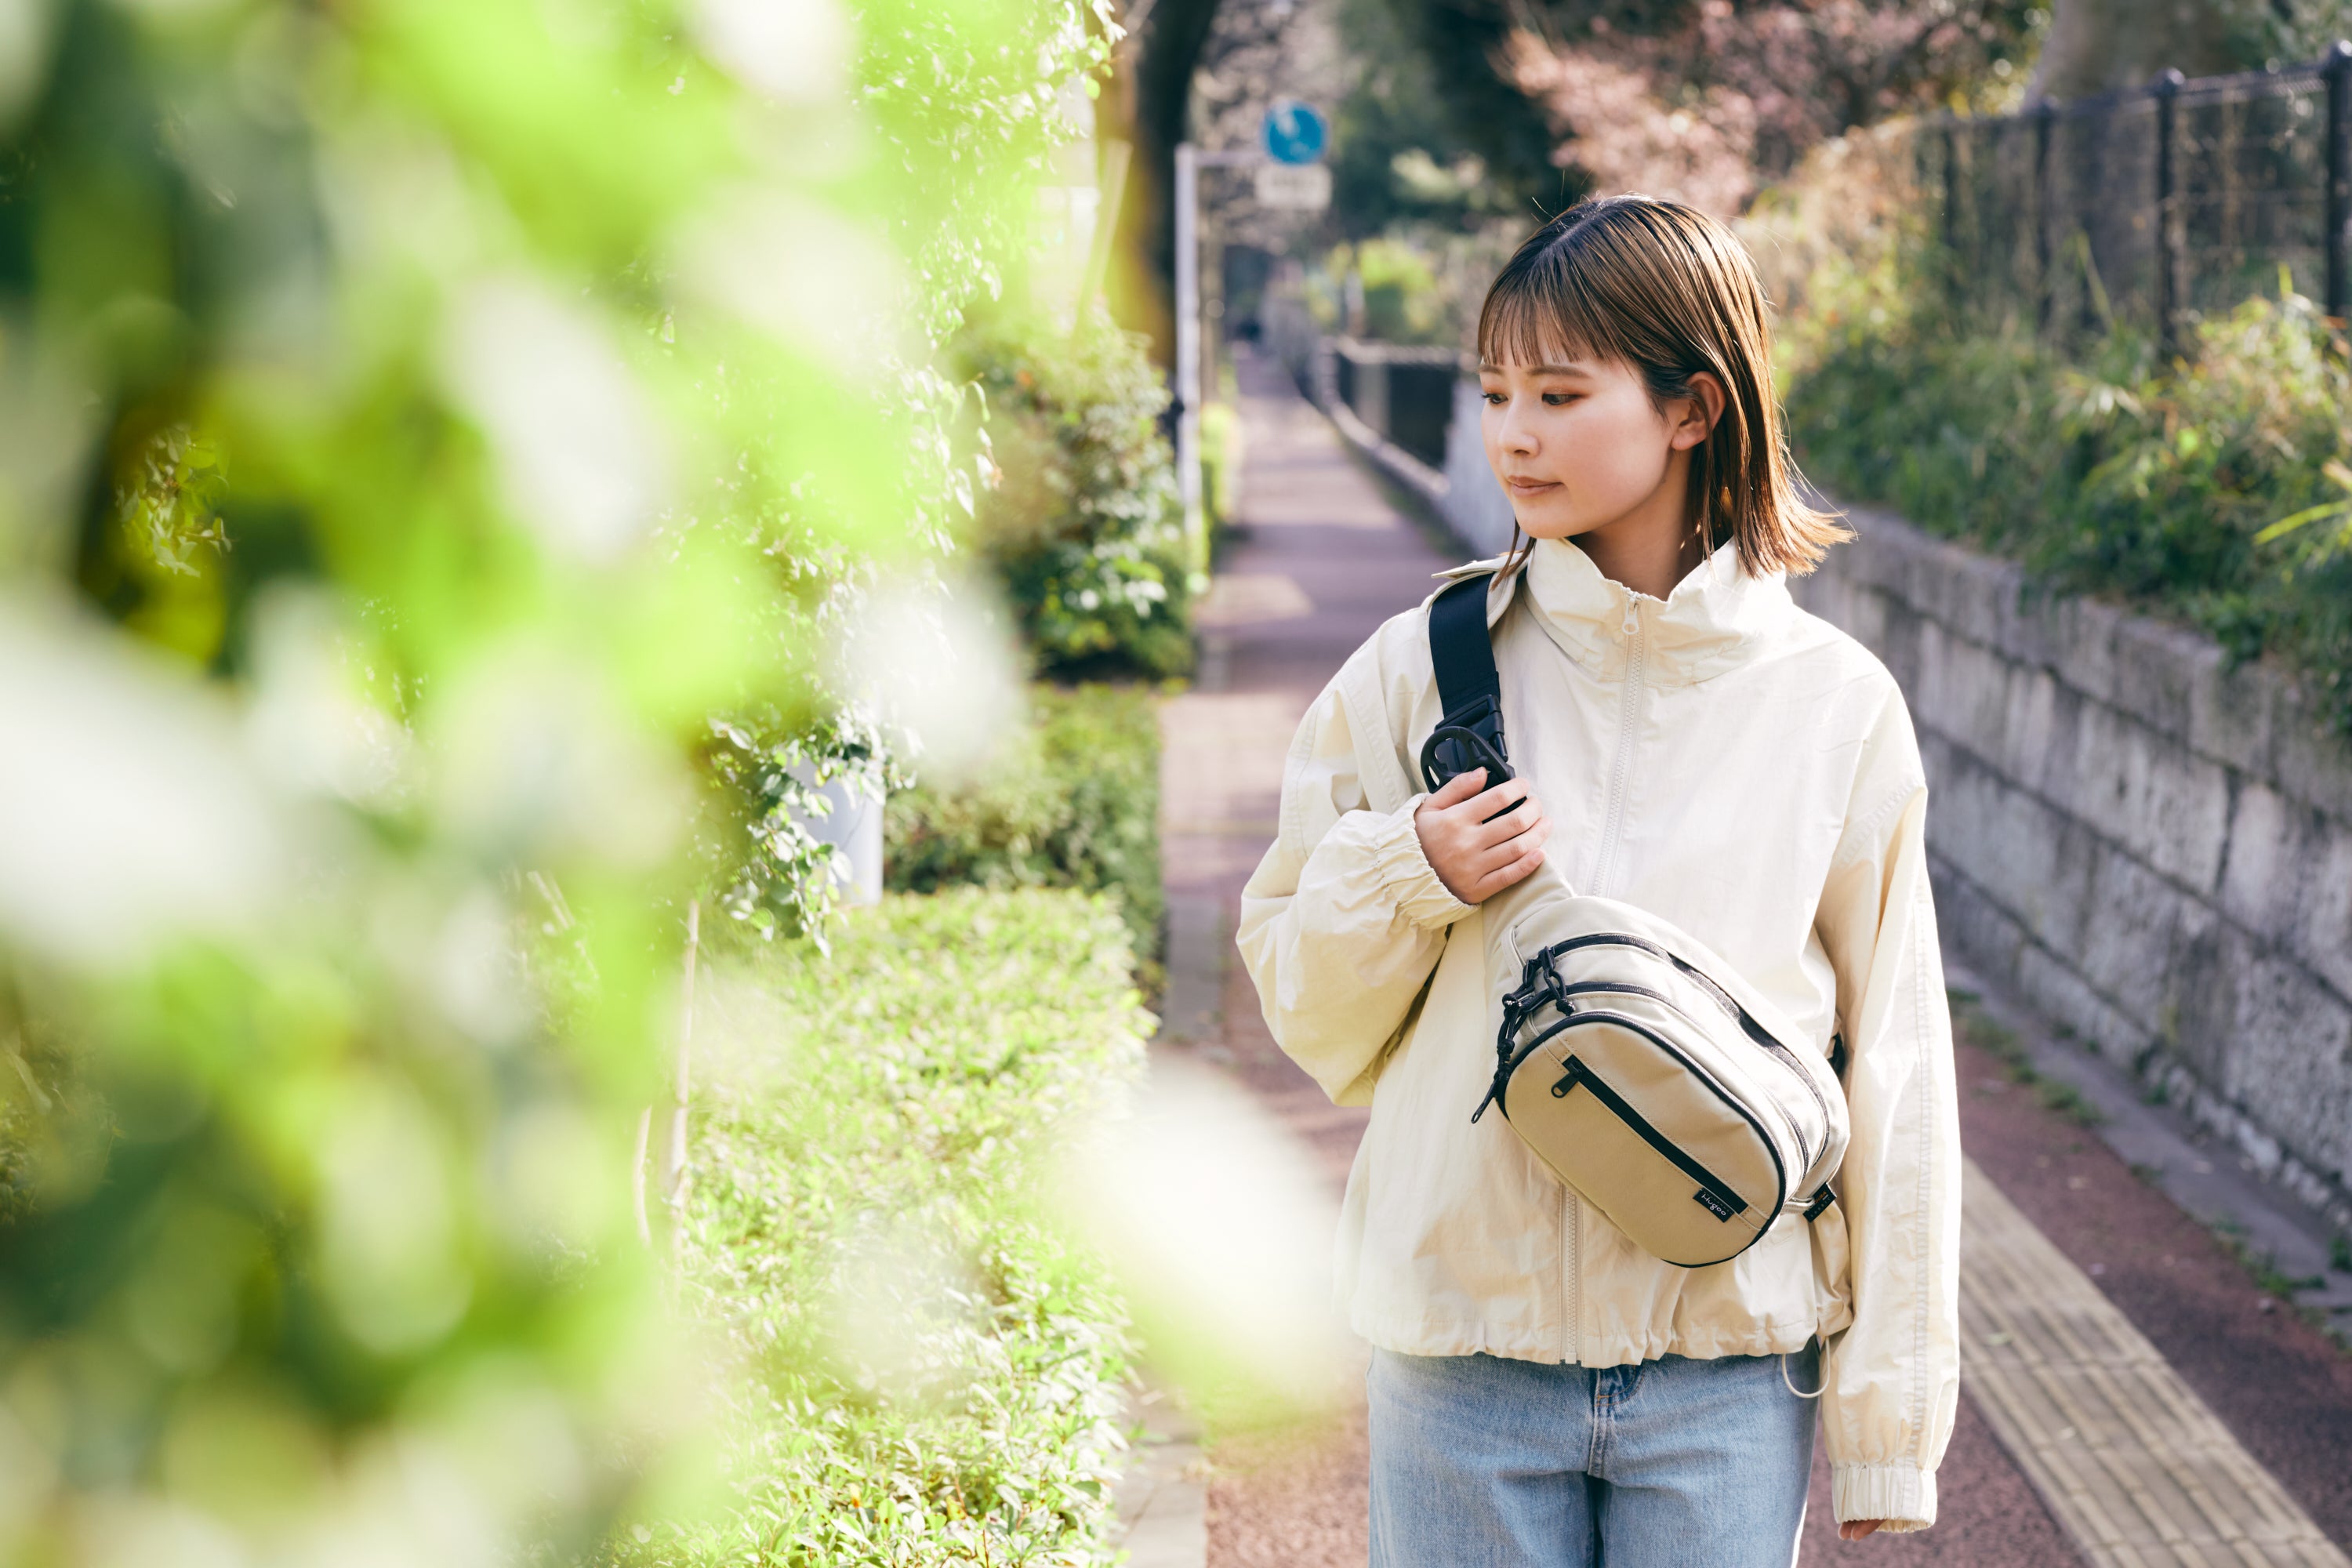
1073 801
1083 521
930 1372
2214 488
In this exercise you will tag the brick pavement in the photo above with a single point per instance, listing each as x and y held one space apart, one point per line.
1320 560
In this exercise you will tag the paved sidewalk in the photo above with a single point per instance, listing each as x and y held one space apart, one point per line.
1322 559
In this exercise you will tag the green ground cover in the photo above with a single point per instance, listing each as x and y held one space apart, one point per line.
1073 801
928 1371
2213 489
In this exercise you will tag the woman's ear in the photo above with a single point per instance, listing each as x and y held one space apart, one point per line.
1699 411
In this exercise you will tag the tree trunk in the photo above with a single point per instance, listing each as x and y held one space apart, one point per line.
2099 45
1153 93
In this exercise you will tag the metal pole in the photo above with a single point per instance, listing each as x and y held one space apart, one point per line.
2168 269
2045 117
1188 347
2338 69
1952 209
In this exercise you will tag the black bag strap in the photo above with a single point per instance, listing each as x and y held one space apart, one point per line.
1469 692
1459 647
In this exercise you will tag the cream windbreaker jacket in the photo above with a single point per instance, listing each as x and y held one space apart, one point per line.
1731 763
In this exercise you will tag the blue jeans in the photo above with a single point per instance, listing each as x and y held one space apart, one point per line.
1479 1462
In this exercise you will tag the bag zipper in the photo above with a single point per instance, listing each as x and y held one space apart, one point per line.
1754 1031
1579 1073
1633 1025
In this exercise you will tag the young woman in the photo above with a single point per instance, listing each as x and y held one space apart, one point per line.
1688 741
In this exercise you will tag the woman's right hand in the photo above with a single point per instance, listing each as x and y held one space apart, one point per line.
1474 857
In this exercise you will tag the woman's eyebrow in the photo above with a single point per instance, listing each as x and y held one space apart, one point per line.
1487 367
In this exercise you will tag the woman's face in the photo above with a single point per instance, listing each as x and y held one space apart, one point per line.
1578 445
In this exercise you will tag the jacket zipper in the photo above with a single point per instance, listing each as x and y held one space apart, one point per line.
1611 822
1629 710
1569 1215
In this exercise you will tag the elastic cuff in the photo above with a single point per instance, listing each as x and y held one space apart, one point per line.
1405 875
1901 1495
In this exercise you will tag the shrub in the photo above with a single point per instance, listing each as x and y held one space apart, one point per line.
926 1370
1221 462
2212 490
1401 298
1071 802
1082 523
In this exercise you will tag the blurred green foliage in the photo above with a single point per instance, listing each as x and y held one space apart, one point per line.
918 1369
417 421
1428 133
2211 488
1223 444
1422 284
1083 522
1070 801
1401 298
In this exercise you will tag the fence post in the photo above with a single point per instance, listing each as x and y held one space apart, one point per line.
2337 68
1950 227
2045 117
2167 89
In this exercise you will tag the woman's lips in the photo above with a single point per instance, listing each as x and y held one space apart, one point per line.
1531 487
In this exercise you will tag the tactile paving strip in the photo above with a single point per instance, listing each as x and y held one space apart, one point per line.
2133 1464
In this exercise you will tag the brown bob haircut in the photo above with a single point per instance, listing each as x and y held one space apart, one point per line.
1666 289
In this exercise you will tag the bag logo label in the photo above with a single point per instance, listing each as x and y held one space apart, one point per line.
1712 1204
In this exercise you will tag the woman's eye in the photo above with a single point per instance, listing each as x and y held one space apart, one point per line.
1559 399
1495 399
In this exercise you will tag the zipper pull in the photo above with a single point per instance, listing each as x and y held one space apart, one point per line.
1633 619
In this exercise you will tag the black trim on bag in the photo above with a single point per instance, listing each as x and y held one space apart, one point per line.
1726 1202
1517 1011
1504 1075
1722 998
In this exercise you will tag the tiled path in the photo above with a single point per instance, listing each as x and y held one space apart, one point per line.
2147 1475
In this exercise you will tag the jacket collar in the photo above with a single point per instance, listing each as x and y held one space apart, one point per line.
1714 618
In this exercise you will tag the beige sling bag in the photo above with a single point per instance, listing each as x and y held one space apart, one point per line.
1634 1063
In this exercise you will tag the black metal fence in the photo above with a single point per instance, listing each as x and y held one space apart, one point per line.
1405 393
2151 207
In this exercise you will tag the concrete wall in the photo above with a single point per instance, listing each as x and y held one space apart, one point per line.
2153 850
1475 506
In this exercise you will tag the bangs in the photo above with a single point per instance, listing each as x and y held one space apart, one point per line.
1541 311
1663 289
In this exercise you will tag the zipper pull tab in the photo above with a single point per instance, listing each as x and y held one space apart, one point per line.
1633 619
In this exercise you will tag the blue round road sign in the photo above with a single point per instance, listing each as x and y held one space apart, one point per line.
1295 132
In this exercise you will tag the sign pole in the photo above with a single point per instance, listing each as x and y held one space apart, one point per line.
1188 352
1294 135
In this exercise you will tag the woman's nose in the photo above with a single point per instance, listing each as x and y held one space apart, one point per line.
1516 435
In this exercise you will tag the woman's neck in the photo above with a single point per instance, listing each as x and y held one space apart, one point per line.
1655 545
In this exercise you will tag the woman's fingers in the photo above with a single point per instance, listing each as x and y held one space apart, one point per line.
1508 793
1494 857
1471 854
1508 824
1518 870
1459 788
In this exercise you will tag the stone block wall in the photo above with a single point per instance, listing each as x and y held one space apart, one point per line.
2151 848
